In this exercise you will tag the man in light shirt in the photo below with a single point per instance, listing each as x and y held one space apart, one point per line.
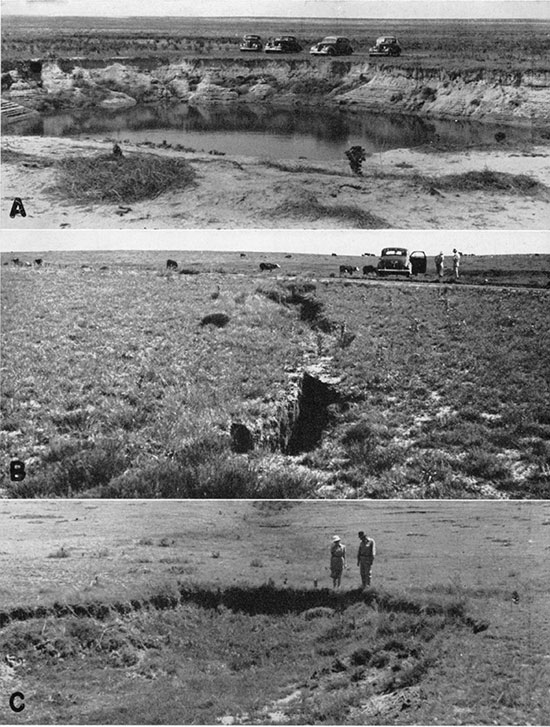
365 557
456 263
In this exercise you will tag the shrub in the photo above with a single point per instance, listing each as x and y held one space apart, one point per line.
220 320
485 465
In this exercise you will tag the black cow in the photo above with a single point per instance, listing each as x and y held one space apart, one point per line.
243 254
269 266
171 265
16 261
368 269
349 269
38 262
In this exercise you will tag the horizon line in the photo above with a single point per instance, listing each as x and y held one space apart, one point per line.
279 17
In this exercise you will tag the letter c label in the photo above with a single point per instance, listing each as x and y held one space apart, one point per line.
17 707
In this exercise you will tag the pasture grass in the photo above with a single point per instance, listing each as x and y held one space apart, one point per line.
343 655
127 179
111 386
178 598
454 44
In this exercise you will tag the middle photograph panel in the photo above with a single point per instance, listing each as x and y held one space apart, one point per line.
224 373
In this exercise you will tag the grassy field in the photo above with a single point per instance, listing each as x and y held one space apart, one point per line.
142 612
506 45
122 380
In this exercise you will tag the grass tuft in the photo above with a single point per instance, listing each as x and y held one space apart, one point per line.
488 180
311 208
109 178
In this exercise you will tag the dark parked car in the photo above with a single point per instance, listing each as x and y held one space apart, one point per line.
251 43
332 45
284 44
386 45
398 261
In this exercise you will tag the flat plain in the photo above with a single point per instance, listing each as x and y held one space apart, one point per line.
123 379
201 612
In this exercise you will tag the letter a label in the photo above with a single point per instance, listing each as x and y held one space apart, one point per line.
17 208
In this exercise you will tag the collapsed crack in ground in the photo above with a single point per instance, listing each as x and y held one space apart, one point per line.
252 600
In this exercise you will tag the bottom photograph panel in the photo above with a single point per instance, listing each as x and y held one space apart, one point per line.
274 612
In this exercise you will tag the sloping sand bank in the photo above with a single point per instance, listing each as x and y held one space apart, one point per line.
401 188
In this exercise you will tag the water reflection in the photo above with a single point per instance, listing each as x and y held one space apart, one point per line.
268 132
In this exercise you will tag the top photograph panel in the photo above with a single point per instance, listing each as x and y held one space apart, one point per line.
404 115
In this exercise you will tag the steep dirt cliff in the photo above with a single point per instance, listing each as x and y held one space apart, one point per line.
521 98
515 98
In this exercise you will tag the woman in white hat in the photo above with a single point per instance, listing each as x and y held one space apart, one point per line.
337 560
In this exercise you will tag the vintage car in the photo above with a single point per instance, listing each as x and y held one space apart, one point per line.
283 44
386 45
398 261
332 45
251 43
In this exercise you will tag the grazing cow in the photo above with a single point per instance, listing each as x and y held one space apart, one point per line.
243 254
16 261
171 265
368 269
38 262
269 266
349 269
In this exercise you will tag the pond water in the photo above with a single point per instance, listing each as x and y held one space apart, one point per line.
304 132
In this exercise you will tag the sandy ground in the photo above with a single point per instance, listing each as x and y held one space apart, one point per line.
242 192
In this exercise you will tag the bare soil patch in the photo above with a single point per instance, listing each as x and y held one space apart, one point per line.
396 190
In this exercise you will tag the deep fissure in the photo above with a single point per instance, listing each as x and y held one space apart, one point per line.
310 416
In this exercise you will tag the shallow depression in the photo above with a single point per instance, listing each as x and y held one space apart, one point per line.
263 131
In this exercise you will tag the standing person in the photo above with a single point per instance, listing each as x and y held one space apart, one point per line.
456 263
337 560
365 557
439 263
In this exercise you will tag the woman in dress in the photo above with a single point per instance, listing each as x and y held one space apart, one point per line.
337 560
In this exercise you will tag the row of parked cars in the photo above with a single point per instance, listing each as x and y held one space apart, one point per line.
332 45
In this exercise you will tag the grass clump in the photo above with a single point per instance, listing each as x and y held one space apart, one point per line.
311 208
488 180
107 177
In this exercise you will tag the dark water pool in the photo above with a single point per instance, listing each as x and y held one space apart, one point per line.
312 133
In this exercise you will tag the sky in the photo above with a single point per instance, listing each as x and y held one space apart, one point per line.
286 8
343 242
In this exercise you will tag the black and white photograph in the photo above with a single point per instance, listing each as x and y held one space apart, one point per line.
418 370
275 114
274 612
274 362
